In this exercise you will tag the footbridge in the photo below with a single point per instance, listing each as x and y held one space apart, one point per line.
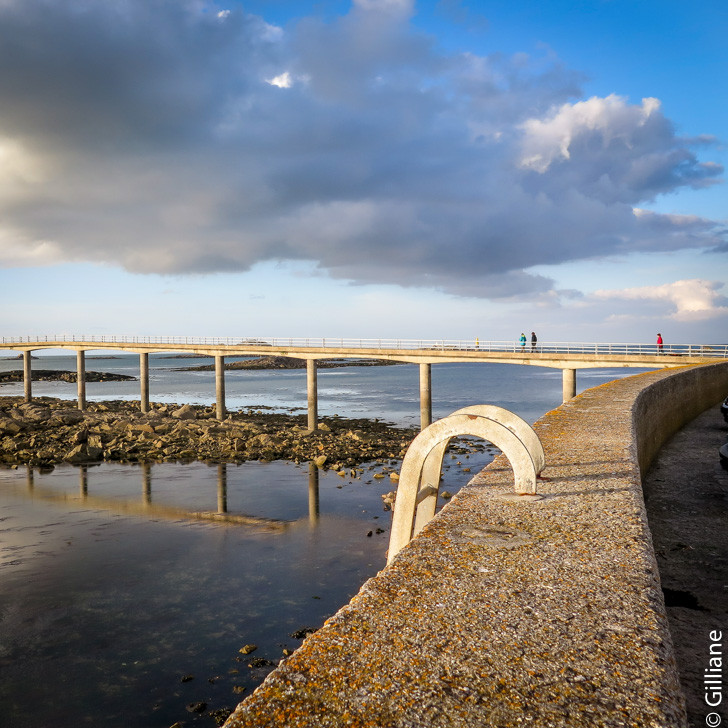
567 356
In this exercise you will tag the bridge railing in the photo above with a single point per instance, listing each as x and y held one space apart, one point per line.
475 344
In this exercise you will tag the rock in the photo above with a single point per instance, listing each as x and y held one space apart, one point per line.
388 499
67 416
76 455
94 441
186 412
80 437
32 412
320 461
446 494
247 649
394 476
9 426
265 442
300 634
221 715
261 662
196 707
84 454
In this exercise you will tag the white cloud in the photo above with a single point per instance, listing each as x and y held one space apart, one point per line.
689 300
16 251
282 80
550 138
402 8
151 135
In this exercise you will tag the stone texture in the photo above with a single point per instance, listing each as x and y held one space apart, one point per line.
503 613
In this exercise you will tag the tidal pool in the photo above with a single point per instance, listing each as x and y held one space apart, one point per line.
127 592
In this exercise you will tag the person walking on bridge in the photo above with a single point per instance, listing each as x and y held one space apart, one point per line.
534 341
659 343
523 341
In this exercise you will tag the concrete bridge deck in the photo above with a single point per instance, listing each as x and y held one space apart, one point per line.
506 614
569 357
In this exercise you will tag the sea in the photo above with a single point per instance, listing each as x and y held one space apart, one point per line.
122 604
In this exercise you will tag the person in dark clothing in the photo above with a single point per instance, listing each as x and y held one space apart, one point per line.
534 341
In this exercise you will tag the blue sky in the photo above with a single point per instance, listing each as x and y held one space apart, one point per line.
380 168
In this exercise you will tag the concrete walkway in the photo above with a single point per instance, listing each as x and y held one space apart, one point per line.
509 614
686 491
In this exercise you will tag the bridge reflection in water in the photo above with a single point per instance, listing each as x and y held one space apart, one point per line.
146 506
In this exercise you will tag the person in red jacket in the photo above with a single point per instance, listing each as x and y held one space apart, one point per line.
659 343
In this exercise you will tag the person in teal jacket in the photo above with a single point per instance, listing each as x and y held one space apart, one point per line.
523 340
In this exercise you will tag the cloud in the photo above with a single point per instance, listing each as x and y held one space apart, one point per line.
688 300
188 137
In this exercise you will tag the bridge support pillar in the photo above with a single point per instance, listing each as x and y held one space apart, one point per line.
425 395
27 377
220 386
312 388
568 384
144 381
81 378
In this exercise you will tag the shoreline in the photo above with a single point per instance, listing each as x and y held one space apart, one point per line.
49 431
61 375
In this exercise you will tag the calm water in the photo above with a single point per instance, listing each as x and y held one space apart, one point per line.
121 605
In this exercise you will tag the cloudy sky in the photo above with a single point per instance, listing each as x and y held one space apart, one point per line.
376 168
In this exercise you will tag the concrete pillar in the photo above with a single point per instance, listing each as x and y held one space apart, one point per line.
222 488
27 377
144 381
569 384
425 395
81 378
312 387
220 386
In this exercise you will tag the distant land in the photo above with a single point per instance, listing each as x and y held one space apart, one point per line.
53 375
287 362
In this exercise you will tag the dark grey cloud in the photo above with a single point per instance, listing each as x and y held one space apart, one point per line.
180 136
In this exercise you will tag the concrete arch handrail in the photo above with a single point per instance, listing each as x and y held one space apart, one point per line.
513 422
422 464
432 467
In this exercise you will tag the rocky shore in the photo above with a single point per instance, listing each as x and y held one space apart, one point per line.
49 431
63 375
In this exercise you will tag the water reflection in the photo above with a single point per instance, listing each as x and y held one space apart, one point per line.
222 488
313 494
83 482
114 585
147 507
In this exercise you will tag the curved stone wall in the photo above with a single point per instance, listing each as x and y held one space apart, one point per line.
503 613
664 407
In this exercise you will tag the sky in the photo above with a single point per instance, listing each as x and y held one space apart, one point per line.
367 169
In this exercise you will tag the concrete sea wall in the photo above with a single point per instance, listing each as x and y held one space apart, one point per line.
504 613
